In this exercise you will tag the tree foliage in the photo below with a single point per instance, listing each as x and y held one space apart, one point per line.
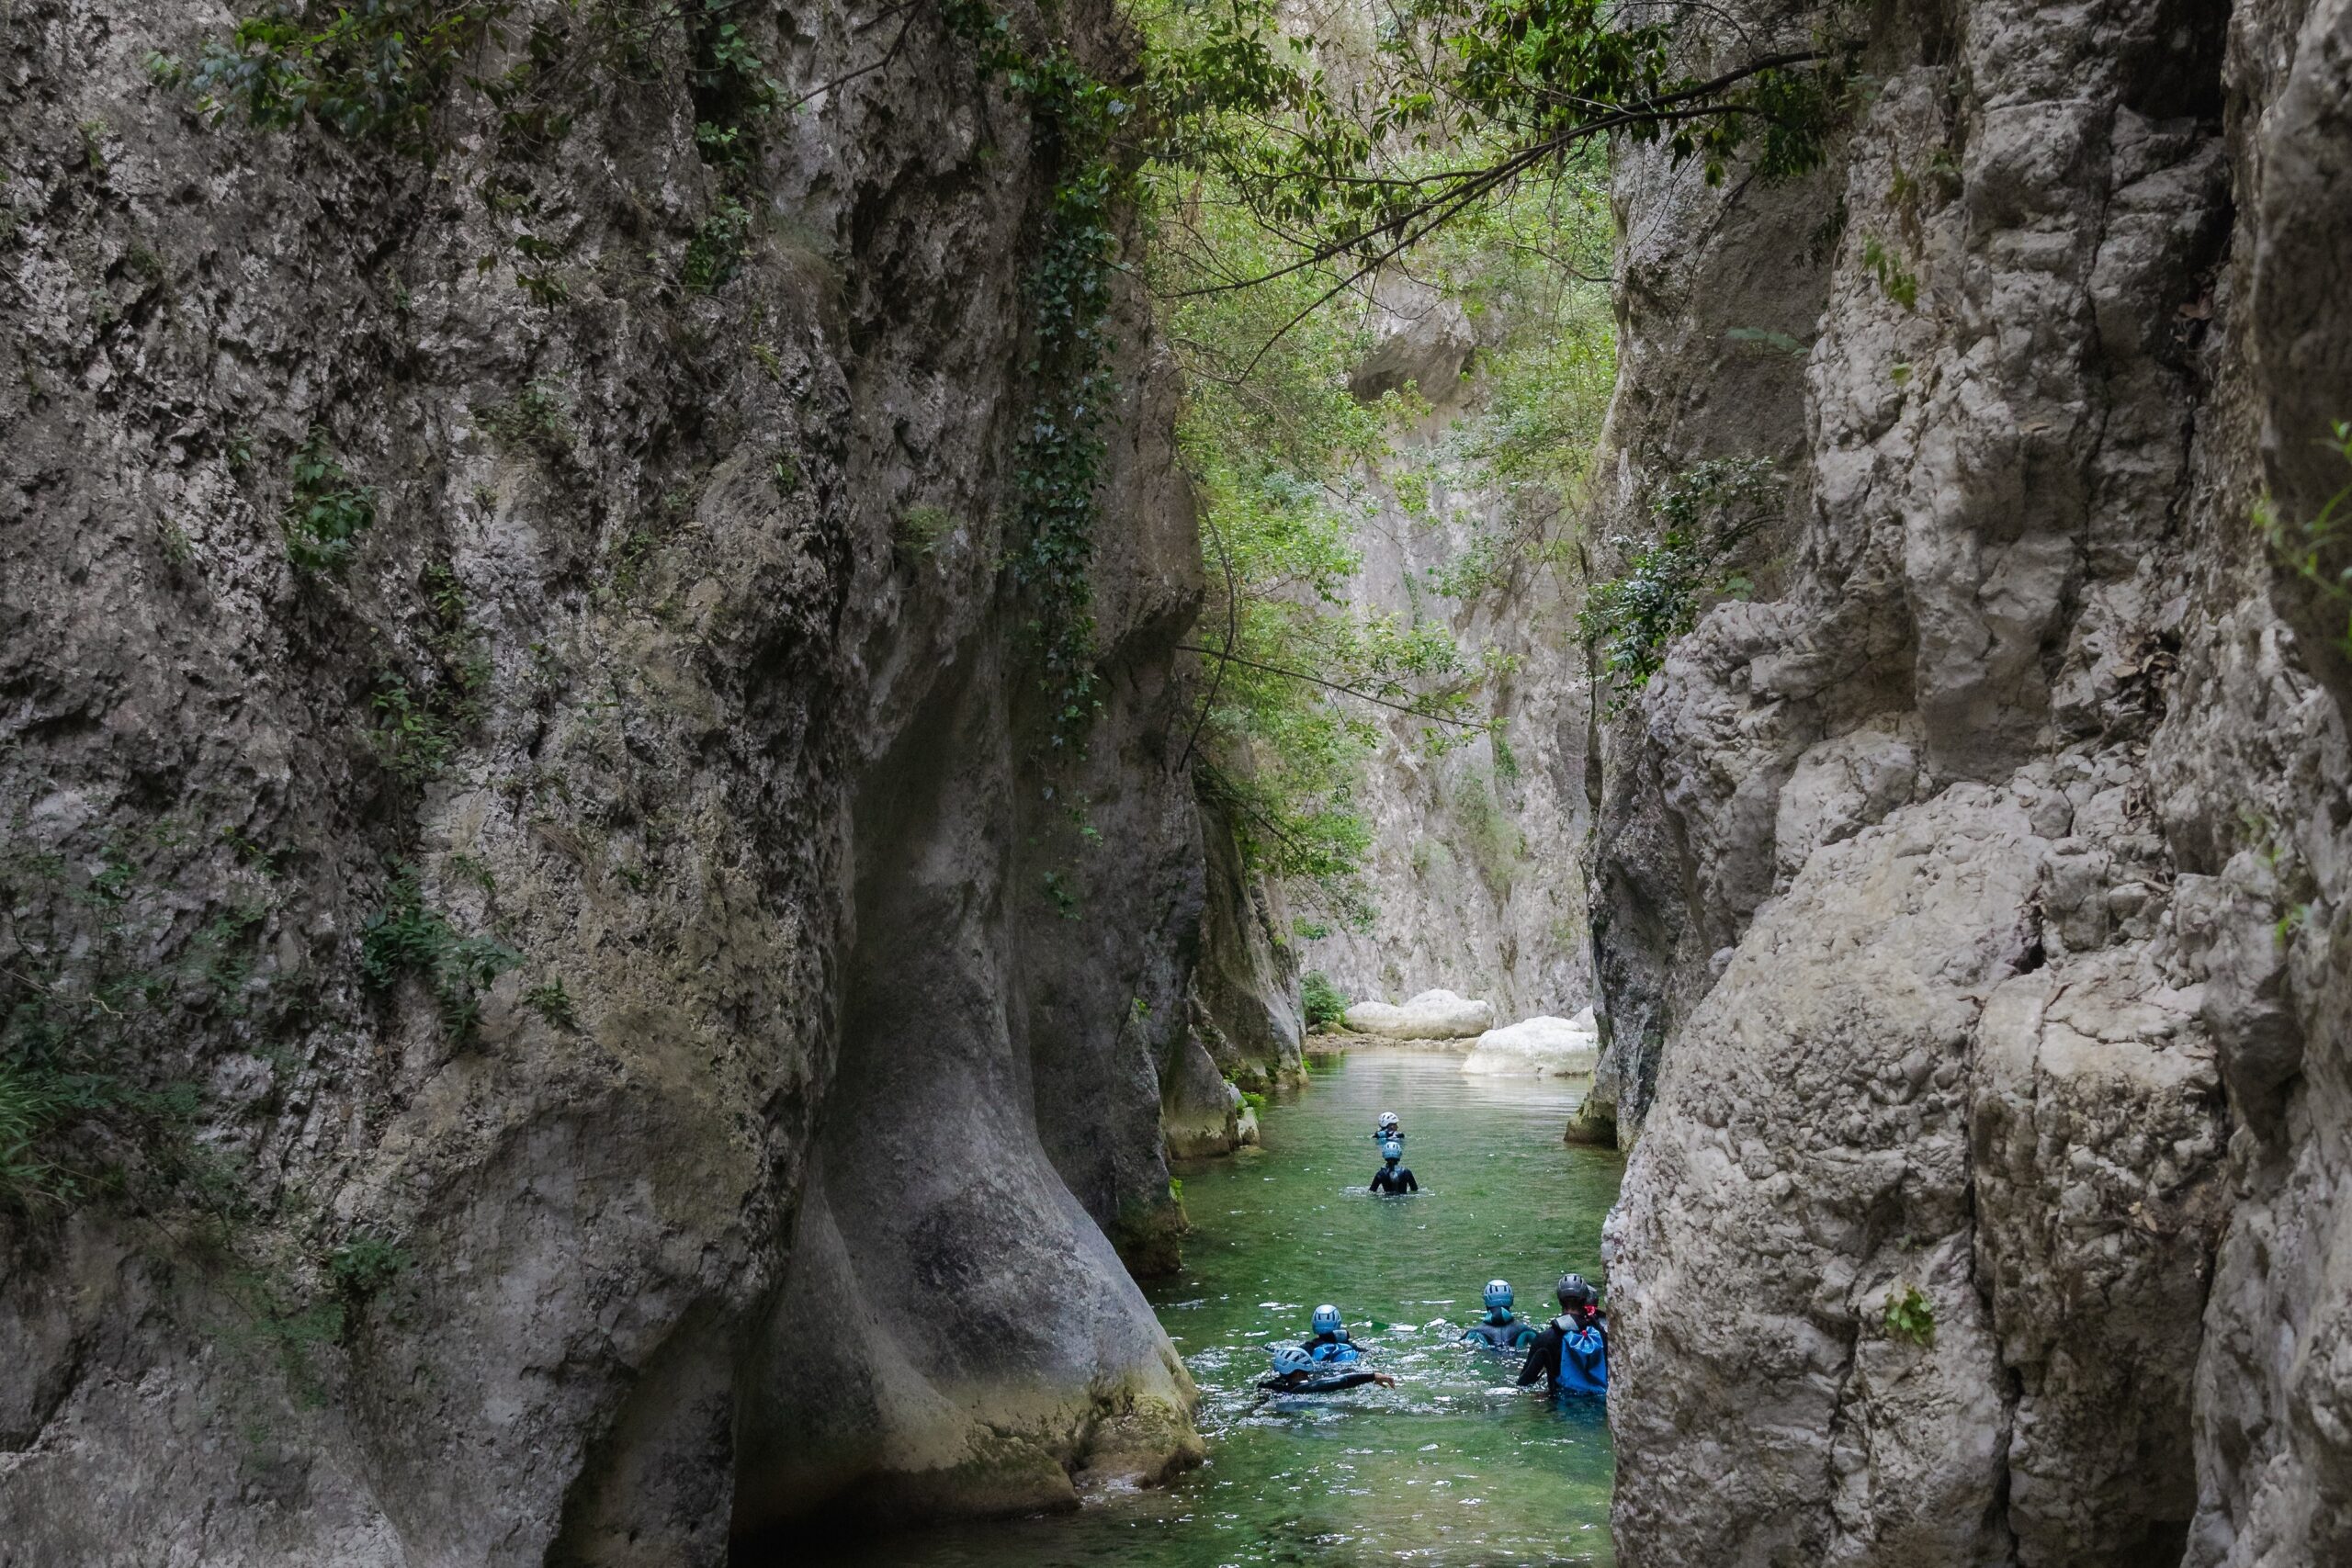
1355 159
1702 514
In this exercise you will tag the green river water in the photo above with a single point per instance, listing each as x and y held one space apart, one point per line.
1455 1468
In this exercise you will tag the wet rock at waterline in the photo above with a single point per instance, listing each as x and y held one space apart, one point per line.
1431 1015
1200 1109
1537 1047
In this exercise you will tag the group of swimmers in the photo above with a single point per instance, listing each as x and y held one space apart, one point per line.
1569 1355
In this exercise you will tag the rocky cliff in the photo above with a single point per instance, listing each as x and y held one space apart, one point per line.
1475 875
1970 903
546 941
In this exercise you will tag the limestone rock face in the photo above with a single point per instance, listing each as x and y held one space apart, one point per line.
1473 874
590 973
1433 1015
1247 1015
1969 907
1537 1047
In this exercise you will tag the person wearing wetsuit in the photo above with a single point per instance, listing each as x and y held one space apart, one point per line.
1295 1373
1390 1130
1571 1356
1392 1178
1501 1328
1329 1341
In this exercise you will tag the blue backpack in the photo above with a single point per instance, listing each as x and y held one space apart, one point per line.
1583 1359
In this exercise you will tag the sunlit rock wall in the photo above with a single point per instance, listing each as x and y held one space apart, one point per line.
680 661
1970 907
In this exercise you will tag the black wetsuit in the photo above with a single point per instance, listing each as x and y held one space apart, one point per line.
1315 1382
1314 1342
1506 1335
1543 1357
1394 1178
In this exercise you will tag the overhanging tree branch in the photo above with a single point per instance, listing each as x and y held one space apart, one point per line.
1356 692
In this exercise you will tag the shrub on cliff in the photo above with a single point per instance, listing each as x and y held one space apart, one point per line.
1326 1003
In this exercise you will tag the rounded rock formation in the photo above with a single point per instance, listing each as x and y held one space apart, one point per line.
1433 1015
1538 1047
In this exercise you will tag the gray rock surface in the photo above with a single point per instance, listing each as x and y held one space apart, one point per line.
1543 1046
1474 876
718 715
1436 1014
1968 906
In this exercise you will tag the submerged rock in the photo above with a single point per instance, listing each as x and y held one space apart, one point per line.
1433 1015
1538 1047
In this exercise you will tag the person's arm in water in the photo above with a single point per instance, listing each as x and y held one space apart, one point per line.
1405 1182
1543 1357
1353 1380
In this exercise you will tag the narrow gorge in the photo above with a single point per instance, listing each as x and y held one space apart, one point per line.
696 693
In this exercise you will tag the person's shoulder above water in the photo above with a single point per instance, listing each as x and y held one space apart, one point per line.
1501 1328
1572 1353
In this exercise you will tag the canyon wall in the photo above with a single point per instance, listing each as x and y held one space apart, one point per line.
1475 875
1970 902
535 1011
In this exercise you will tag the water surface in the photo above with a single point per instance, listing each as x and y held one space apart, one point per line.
1455 1468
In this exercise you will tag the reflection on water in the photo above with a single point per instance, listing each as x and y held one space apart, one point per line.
1452 1467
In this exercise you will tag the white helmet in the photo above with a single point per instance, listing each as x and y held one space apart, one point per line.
1389 1117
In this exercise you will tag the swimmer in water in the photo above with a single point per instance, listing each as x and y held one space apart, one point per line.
1296 1372
1501 1328
1571 1356
1392 1178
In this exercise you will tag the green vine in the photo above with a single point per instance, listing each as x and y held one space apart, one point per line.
407 936
373 69
93 995
1077 118
327 511
1061 457
1912 1316
1703 512
2312 549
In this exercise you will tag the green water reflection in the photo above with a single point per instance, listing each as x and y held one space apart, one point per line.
1455 1467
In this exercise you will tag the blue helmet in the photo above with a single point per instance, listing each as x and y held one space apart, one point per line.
1392 1150
1326 1319
1289 1358
1499 1295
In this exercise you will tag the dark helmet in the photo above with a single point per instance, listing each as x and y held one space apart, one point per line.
1573 1291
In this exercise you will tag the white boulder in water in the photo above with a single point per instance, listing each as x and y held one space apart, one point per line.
1538 1047
1433 1015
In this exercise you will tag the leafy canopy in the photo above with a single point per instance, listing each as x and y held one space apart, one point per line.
1358 160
